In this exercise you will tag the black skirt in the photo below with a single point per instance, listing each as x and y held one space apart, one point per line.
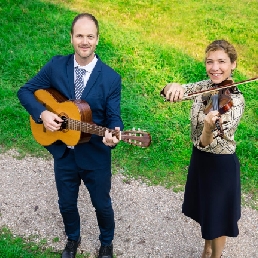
213 194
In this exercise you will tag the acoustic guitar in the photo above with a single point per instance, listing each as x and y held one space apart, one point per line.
77 126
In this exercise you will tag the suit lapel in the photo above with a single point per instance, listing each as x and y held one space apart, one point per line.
70 76
92 80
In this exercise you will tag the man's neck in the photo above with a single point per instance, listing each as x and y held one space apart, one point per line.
84 61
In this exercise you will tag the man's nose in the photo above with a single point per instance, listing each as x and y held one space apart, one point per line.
85 40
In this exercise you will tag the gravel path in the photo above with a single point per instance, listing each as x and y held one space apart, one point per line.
149 222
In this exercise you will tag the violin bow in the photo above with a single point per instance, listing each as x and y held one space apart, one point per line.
220 87
228 85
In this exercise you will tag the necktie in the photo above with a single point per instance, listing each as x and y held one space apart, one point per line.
79 84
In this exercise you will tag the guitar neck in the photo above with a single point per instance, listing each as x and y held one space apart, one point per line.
90 128
137 138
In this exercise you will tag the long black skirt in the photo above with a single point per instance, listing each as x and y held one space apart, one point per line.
213 194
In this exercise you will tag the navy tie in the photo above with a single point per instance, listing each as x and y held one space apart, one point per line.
79 84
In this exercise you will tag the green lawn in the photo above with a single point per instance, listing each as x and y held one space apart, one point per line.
16 247
150 43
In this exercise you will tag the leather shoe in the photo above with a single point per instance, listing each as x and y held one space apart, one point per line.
71 248
106 251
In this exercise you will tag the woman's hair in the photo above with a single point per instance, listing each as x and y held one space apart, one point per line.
87 15
223 45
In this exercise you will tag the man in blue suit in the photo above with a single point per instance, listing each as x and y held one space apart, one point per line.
81 75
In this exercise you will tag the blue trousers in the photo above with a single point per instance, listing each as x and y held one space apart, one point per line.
68 178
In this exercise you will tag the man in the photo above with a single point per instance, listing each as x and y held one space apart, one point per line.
100 87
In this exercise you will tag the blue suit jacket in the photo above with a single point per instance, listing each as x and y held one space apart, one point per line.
102 93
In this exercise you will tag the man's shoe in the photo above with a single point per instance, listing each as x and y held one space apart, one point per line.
106 251
71 249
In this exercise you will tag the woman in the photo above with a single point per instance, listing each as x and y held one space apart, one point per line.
212 191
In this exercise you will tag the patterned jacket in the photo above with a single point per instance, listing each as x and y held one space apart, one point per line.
230 119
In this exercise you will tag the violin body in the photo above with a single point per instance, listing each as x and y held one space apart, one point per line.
225 103
224 99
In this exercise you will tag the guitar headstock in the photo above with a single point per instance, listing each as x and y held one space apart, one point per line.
136 137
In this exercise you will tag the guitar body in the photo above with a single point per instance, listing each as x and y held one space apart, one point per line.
58 104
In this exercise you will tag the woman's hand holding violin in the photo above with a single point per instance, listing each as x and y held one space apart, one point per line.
210 120
173 92
209 125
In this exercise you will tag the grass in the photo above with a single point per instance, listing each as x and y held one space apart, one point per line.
16 247
150 43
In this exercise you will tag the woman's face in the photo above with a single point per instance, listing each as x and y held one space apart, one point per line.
219 66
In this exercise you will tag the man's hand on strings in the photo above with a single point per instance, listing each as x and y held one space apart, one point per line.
51 121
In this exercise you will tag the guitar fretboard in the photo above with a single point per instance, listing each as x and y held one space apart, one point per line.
88 128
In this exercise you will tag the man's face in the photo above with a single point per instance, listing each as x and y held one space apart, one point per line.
84 40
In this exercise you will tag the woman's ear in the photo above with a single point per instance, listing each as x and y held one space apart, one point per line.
234 65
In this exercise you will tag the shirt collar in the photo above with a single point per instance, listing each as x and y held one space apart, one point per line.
89 67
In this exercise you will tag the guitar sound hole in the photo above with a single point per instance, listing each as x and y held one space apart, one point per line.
64 126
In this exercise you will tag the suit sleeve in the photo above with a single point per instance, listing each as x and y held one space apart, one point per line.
113 109
26 93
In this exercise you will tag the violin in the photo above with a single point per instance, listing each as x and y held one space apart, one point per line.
224 104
